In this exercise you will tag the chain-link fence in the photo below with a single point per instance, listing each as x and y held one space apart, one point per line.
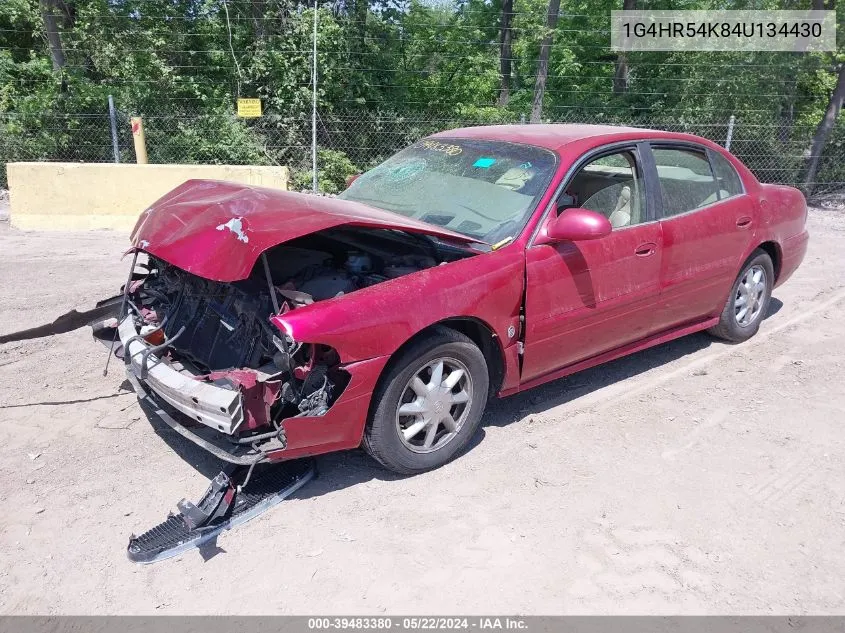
357 140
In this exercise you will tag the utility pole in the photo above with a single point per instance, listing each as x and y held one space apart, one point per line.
113 122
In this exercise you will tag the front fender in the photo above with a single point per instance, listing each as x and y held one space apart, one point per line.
376 321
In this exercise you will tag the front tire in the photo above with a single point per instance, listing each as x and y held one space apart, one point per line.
428 404
748 301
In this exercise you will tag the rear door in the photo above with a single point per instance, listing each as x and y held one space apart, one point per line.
587 297
707 223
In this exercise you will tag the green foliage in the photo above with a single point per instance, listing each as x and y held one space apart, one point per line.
217 138
333 168
389 72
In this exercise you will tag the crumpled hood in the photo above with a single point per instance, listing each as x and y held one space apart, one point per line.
217 229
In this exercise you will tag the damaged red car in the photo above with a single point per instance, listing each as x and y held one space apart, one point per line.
268 325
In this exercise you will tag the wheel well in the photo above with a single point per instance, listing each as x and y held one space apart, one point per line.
479 333
773 250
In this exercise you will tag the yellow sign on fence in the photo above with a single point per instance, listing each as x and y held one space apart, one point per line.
249 108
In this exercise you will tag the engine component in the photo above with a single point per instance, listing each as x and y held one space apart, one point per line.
330 284
225 324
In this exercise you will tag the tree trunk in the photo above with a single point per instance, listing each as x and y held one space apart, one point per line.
360 8
823 131
68 11
787 118
620 73
505 38
823 5
543 62
257 11
54 38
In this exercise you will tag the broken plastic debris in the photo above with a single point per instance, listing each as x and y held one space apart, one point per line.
236 226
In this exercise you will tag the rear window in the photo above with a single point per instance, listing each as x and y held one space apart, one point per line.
686 180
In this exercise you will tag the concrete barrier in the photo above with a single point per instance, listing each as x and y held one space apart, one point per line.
80 196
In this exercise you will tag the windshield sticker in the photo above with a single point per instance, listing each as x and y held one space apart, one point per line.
484 163
445 148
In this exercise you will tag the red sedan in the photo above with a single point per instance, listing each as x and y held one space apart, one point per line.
268 325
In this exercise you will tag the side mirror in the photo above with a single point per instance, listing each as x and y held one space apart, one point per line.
576 224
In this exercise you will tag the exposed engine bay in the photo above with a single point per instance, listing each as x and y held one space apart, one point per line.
220 333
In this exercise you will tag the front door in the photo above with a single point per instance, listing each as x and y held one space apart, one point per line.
587 297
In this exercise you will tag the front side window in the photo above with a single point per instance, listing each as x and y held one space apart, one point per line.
729 183
484 189
610 185
686 180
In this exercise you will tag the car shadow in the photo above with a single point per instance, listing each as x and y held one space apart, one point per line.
345 469
577 385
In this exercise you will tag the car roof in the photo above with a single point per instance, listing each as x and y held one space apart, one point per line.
553 136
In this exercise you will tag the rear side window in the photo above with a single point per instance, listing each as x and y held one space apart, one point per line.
686 180
729 183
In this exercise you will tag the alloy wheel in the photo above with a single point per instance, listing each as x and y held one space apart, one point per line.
750 296
434 405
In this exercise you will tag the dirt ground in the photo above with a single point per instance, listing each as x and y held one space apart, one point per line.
696 477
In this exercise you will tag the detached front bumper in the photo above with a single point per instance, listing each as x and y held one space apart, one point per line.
217 407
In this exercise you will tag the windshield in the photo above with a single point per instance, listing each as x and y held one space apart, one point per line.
483 189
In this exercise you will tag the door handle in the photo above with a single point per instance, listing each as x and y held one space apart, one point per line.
644 250
744 223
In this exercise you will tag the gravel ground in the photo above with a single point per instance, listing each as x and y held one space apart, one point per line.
696 477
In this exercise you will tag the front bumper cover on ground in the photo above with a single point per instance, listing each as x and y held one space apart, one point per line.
178 533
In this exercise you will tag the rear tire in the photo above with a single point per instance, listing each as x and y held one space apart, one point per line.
748 300
428 404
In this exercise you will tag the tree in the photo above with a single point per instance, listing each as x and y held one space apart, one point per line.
823 130
620 74
51 28
258 9
360 9
505 51
543 62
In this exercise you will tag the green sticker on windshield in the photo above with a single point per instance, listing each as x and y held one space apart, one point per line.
484 163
